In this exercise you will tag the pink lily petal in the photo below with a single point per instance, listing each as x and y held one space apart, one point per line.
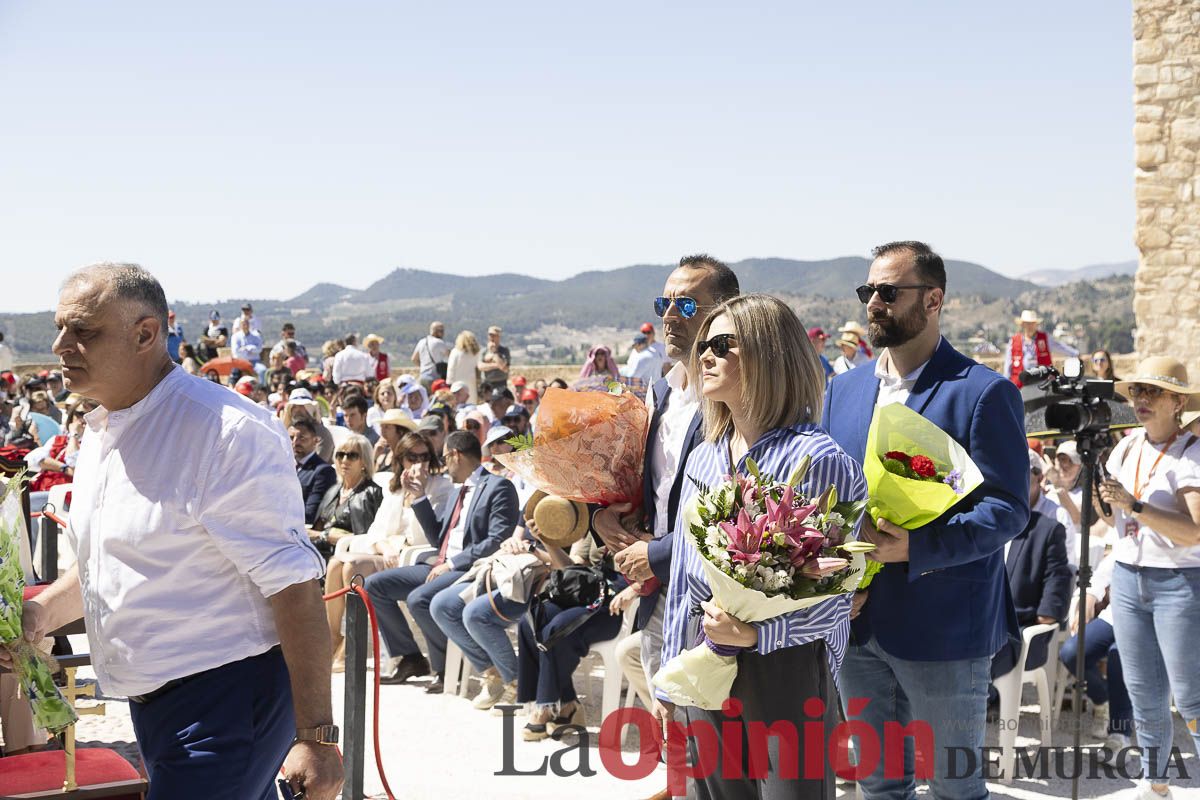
823 567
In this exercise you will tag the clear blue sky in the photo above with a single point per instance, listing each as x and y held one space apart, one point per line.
255 148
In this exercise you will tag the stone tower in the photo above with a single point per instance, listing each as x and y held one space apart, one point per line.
1166 78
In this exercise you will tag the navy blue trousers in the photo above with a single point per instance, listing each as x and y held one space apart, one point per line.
222 735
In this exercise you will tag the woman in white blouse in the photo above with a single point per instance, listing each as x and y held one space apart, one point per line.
461 366
1154 493
395 528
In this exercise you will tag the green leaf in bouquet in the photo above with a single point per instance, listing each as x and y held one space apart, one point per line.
851 511
520 441
799 473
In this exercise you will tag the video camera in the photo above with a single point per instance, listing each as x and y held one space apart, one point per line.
1085 405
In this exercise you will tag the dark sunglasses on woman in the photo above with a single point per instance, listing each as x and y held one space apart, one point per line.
719 344
416 457
353 455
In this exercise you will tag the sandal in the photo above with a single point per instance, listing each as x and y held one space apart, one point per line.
576 717
534 732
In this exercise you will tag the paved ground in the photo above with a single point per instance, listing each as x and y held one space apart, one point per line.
438 747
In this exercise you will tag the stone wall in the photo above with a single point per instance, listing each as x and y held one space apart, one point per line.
1166 77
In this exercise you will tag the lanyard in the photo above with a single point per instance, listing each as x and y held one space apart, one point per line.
1137 490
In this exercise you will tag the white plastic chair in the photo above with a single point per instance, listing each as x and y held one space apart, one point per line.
1008 686
458 671
614 678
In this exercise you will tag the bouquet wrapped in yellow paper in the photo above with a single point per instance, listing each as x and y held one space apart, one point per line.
915 471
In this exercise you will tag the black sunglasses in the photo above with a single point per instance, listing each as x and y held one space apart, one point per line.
353 455
687 306
417 457
719 344
888 292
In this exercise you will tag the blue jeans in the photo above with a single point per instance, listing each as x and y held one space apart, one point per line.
476 629
951 696
221 735
1156 614
388 588
545 678
1100 643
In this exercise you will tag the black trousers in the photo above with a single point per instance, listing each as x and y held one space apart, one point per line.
772 688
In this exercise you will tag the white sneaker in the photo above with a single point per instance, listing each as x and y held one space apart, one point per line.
1099 729
491 692
1146 793
1118 741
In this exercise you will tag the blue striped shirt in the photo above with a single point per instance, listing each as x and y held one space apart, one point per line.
777 453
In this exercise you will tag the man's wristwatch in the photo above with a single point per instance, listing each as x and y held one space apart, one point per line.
1137 507
322 734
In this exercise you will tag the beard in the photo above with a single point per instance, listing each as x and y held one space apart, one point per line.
891 331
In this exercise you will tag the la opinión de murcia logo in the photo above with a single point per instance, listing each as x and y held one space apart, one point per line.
807 750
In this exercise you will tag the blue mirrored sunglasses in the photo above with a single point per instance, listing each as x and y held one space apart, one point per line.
687 306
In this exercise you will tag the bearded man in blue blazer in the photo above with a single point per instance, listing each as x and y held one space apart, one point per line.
925 632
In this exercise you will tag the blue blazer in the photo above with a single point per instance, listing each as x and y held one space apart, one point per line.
492 517
659 550
1039 574
316 476
951 599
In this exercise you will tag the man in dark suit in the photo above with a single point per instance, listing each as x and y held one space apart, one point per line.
485 512
925 633
692 291
1039 575
315 474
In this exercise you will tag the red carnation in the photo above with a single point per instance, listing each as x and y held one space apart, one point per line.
898 455
923 466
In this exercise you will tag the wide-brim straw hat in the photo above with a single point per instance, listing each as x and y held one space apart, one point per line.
1166 373
398 417
853 327
849 339
560 522
1029 315
373 337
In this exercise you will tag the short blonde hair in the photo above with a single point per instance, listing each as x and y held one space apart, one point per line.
467 342
782 381
359 442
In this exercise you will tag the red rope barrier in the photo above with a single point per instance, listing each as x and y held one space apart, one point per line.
362 593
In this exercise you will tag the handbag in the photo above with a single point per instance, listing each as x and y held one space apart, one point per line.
571 587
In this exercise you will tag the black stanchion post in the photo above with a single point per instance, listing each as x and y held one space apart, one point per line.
354 727
49 549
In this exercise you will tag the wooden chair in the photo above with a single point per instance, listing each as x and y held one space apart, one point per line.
71 774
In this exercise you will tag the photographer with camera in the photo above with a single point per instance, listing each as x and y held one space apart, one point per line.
1154 492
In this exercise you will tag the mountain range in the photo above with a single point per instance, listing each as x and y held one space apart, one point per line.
559 318
1058 277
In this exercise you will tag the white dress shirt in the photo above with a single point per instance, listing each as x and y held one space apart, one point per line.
668 444
352 364
186 516
459 531
893 388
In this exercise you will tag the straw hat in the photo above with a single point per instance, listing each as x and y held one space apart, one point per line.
853 327
1166 373
1028 315
398 417
560 522
849 339
373 337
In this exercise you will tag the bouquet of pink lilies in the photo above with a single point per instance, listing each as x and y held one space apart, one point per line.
769 538
766 550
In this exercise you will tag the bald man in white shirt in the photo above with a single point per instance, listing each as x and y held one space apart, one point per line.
197 584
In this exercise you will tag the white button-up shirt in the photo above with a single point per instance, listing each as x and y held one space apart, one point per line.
186 516
459 531
352 364
668 444
893 388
